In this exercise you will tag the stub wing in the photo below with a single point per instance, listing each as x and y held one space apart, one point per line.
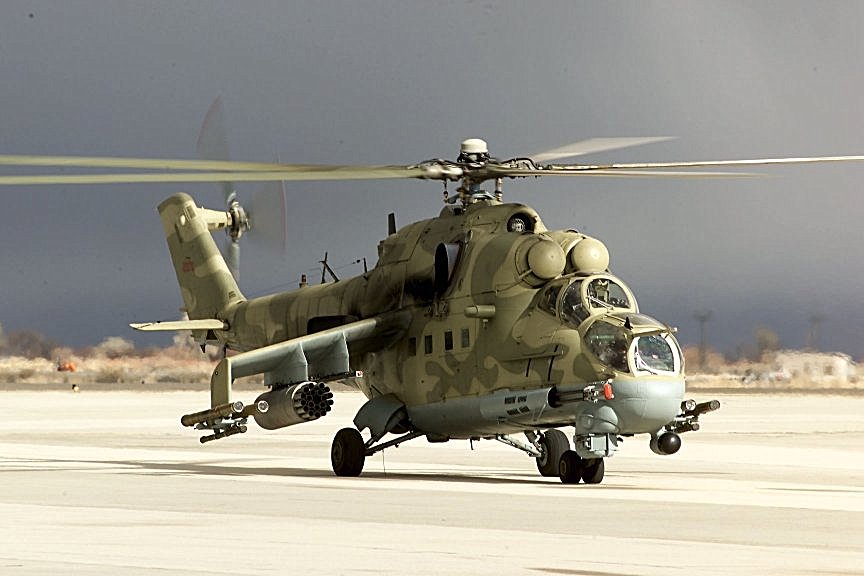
174 325
319 355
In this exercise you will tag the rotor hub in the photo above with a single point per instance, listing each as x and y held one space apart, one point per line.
239 220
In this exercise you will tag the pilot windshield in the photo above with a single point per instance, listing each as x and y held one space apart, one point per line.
573 311
620 346
609 344
654 354
601 294
606 293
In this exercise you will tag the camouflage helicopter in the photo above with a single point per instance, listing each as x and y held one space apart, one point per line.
479 323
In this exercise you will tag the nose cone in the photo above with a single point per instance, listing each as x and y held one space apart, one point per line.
641 405
647 404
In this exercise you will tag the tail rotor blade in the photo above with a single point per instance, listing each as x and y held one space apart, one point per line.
268 215
232 258
212 142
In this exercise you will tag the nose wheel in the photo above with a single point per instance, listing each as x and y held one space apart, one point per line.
572 468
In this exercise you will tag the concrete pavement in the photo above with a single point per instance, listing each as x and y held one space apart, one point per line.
102 483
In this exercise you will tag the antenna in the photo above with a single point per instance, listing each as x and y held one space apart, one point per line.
703 316
325 269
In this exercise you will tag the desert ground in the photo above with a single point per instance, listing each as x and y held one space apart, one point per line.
108 482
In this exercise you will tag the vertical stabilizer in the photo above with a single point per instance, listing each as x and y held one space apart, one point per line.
206 284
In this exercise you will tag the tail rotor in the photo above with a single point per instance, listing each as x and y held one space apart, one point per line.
267 207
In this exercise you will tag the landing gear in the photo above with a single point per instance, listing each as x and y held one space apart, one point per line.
570 467
348 452
553 444
593 470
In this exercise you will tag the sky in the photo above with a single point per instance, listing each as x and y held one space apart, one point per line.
391 82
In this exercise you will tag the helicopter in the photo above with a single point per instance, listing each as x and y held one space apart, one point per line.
478 323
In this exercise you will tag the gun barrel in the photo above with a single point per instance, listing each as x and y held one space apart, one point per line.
704 407
229 431
221 411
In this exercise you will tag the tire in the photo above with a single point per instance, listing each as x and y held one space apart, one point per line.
348 452
555 443
570 467
593 470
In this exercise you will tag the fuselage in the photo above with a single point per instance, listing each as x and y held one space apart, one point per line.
498 305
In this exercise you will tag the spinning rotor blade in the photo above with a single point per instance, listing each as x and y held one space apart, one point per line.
594 145
232 257
701 163
273 172
649 169
212 143
142 163
268 215
224 171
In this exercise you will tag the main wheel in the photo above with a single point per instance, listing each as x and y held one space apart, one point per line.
554 443
593 470
570 467
348 452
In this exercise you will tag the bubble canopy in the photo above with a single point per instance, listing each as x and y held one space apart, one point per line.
574 300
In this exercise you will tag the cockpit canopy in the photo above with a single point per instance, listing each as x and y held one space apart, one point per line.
634 343
614 330
574 300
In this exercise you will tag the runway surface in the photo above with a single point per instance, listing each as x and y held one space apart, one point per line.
100 483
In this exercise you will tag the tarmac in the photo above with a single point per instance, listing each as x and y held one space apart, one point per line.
99 483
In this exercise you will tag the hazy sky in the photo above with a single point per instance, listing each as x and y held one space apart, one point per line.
399 82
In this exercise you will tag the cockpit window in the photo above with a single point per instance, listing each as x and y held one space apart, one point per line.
573 311
654 354
609 344
549 299
605 293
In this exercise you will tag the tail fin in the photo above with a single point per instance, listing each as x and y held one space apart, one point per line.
207 286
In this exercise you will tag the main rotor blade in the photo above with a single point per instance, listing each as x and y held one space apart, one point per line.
593 145
503 171
144 163
701 163
287 172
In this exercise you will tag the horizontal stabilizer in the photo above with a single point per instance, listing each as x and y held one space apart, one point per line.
206 324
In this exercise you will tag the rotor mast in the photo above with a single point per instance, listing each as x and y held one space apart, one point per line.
473 159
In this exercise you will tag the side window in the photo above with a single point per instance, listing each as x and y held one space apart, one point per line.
466 338
448 340
427 344
550 298
572 310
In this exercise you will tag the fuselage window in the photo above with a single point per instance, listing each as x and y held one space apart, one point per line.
448 340
466 338
427 343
